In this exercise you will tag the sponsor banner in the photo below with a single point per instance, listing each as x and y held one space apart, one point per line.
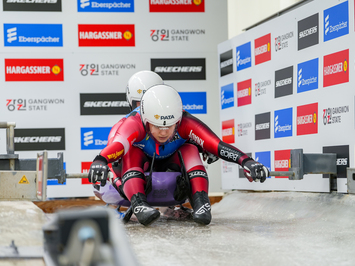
307 119
106 35
194 102
33 35
262 126
94 138
227 96
105 5
38 139
244 129
179 68
243 53
96 70
282 161
181 35
34 70
264 157
176 6
261 87
284 82
283 123
336 68
262 49
308 32
343 159
32 104
103 104
32 5
228 131
281 41
333 115
307 75
226 63
244 92
336 21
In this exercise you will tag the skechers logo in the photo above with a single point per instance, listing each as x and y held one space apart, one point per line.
88 138
106 104
11 34
37 139
204 208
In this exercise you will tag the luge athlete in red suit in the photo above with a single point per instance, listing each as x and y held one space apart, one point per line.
161 127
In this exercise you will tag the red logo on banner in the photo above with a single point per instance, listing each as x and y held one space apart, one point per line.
336 68
307 119
262 49
106 35
228 131
244 92
177 6
85 167
282 161
34 70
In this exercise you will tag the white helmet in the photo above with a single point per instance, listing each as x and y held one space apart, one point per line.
161 106
139 83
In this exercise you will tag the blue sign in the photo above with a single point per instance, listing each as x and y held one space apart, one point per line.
307 75
54 182
94 138
283 123
105 6
243 56
264 157
194 102
336 21
227 96
33 35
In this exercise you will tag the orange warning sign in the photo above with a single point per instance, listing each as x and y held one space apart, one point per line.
24 180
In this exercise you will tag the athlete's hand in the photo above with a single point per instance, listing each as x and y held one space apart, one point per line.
98 172
255 171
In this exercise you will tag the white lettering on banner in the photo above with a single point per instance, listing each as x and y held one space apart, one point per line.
32 1
110 5
227 132
281 164
283 128
196 138
262 126
104 35
307 32
170 2
342 161
339 26
305 119
178 69
226 101
243 93
192 107
283 82
106 104
28 70
37 139
38 39
261 49
100 142
227 63
309 81
332 69
244 61
229 155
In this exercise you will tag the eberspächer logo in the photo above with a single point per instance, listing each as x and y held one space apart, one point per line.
307 75
105 6
194 102
336 21
283 123
227 96
243 56
94 138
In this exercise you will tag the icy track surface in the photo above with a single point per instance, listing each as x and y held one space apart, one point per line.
261 228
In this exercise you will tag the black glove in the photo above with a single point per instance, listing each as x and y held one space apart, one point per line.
255 171
209 157
98 172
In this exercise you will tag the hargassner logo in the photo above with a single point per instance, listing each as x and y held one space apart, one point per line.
243 56
106 35
244 92
105 6
94 138
177 6
308 32
33 35
34 70
32 5
307 75
262 49
283 123
307 119
226 63
227 96
37 139
228 131
282 161
284 82
336 21
343 159
194 102
262 126
103 104
179 68
336 68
